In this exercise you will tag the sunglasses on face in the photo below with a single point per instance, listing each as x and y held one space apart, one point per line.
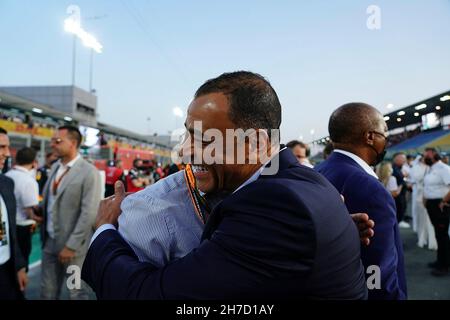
56 140
384 135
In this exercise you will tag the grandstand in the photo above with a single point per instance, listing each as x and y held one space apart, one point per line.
415 127
32 123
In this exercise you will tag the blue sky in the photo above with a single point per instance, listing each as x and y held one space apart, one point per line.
317 54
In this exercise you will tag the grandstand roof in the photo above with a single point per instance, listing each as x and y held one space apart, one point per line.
412 114
28 105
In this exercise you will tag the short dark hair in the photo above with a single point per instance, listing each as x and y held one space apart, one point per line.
135 161
293 143
73 133
348 122
254 104
397 154
25 156
3 131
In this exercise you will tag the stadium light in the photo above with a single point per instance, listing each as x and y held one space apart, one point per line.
401 113
37 110
416 114
386 118
389 106
399 119
72 25
68 119
421 106
177 112
438 107
445 98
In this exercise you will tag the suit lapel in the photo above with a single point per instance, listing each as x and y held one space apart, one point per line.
73 172
213 222
47 185
8 198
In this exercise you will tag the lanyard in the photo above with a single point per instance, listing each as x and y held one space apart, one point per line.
3 235
56 182
201 207
2 226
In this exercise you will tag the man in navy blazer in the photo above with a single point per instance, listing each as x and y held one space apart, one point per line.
284 231
13 277
359 134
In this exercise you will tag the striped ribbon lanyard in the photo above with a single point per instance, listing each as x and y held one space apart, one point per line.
201 206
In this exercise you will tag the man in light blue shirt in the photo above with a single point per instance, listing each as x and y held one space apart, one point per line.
160 222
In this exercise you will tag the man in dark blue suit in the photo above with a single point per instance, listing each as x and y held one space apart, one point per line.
284 231
359 134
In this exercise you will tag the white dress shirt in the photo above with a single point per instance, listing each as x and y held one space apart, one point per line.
51 198
5 251
359 161
392 184
26 191
437 181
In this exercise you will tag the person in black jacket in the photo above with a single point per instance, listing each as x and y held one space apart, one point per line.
13 277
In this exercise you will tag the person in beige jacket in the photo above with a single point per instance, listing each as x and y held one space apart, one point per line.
71 198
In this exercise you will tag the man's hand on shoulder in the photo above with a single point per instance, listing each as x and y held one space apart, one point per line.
365 226
109 209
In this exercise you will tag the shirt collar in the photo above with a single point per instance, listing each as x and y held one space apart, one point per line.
71 162
256 175
22 169
359 161
434 164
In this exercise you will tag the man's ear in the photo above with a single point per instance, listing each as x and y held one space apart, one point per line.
369 137
264 146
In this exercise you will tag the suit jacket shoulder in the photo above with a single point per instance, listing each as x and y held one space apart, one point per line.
7 181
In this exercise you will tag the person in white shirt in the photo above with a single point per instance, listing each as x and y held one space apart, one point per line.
26 191
406 169
421 221
384 173
436 197
301 152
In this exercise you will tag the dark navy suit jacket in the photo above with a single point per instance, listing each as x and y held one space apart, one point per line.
16 261
364 193
287 235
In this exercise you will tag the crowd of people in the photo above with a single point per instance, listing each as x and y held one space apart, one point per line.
220 230
65 221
